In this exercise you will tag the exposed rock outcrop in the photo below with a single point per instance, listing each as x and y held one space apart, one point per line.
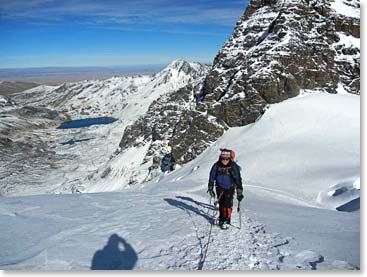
277 50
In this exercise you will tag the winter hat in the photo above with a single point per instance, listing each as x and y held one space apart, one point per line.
225 154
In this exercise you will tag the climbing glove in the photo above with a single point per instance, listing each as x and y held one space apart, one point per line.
239 195
211 192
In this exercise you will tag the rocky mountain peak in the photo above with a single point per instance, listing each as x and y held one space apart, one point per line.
179 65
180 71
279 48
154 135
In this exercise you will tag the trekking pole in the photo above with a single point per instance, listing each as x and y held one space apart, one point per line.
210 203
239 211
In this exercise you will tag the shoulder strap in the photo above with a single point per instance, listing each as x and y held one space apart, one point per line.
230 171
238 173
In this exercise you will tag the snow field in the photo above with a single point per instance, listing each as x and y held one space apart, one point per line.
166 228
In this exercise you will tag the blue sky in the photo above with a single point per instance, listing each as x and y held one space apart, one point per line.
38 33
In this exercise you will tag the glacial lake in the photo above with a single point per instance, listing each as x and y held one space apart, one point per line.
86 122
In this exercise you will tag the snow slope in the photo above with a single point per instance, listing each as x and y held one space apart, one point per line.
125 98
167 228
164 224
346 8
303 149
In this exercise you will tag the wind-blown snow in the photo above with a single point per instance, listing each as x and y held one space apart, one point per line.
164 224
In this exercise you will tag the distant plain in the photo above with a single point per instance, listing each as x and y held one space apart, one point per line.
59 75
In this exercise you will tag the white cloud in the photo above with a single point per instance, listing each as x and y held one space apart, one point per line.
125 12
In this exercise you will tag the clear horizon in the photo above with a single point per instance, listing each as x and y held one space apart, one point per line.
81 66
89 33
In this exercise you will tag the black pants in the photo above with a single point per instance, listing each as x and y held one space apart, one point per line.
225 197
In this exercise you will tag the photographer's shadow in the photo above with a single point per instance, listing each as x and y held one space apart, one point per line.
112 258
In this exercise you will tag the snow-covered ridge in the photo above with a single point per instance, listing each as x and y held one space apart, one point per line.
124 98
301 151
165 224
146 146
278 50
300 164
275 52
111 96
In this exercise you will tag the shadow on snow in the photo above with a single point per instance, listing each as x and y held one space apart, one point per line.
112 258
201 204
188 208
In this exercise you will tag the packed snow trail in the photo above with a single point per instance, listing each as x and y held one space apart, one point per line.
165 228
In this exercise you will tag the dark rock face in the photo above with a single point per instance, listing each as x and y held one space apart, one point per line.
174 130
277 50
188 143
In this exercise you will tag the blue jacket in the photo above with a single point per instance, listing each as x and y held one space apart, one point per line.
225 177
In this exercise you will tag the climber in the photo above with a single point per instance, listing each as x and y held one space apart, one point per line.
226 176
